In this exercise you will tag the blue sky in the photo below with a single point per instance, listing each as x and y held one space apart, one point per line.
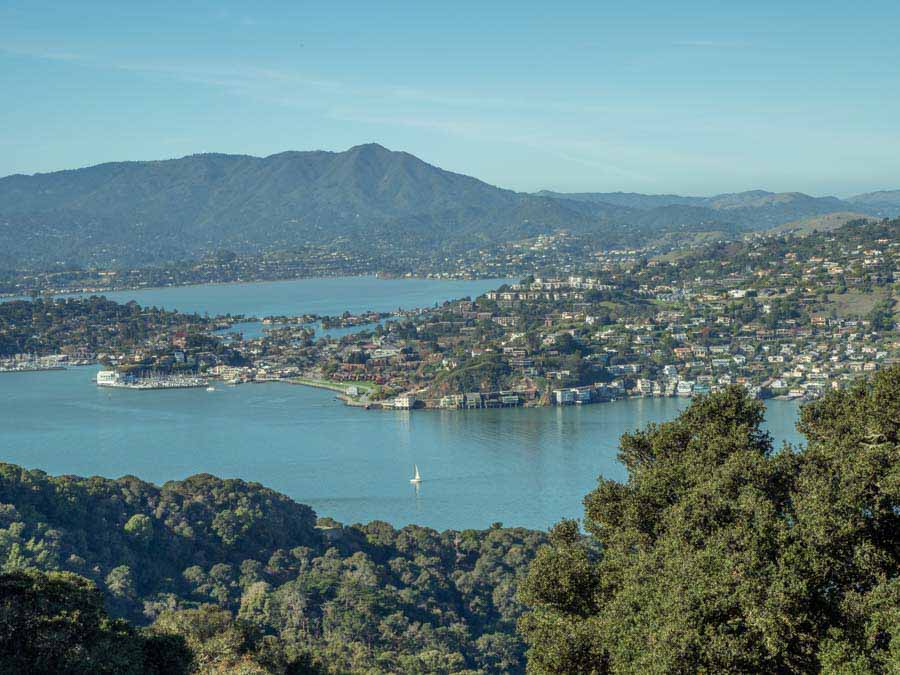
643 96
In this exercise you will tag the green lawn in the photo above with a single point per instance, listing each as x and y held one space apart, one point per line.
364 387
853 304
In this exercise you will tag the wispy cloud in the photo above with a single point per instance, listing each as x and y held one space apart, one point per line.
287 87
712 44
262 83
517 119
609 159
46 53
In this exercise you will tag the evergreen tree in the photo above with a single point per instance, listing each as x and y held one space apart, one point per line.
720 554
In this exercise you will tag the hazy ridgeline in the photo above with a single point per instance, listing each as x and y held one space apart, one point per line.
365 199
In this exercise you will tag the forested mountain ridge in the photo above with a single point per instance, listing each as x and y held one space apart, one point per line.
365 199
884 203
150 211
364 597
367 184
134 213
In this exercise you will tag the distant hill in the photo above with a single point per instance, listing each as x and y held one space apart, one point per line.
366 198
762 210
830 221
144 212
884 203
754 209
634 200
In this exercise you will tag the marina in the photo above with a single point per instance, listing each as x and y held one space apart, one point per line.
115 380
29 368
28 363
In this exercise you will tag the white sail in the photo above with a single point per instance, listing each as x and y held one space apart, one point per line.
417 478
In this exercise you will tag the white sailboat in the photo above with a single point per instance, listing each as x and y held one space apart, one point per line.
415 480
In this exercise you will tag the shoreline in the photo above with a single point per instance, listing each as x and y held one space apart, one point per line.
341 390
317 384
379 405
345 399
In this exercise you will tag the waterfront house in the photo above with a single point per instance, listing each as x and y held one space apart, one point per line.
564 396
684 388
405 402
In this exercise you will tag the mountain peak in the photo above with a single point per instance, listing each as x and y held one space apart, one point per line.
144 212
369 148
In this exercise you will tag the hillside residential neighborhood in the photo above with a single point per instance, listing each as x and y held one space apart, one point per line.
785 316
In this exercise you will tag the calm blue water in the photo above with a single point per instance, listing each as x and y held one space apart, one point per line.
520 467
333 295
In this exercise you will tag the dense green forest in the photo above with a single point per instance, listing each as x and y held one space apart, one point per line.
210 557
720 553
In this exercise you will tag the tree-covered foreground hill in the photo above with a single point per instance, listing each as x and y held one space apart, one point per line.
245 577
722 554
719 553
